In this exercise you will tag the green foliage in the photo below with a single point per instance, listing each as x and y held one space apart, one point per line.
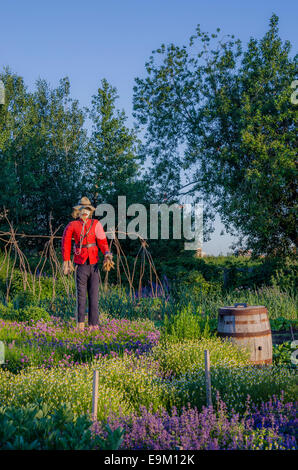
27 289
196 281
59 343
110 137
173 373
7 311
282 354
117 301
28 313
173 376
34 427
112 441
186 324
225 273
277 302
282 323
32 313
184 263
42 143
60 385
234 385
179 358
61 306
230 106
23 299
286 278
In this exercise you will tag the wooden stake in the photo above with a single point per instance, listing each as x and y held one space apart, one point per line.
208 377
95 395
2 353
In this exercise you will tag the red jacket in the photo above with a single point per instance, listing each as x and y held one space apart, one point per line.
96 235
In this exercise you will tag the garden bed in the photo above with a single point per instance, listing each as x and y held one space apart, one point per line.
149 353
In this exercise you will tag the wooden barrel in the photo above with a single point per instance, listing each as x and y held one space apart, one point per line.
247 326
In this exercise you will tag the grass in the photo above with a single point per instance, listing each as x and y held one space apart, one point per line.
278 303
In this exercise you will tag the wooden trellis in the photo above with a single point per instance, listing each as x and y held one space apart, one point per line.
14 258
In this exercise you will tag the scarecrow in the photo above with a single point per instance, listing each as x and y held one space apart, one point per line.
88 235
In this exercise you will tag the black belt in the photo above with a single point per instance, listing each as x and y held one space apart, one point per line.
86 246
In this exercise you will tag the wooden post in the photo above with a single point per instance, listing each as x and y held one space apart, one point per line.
2 353
95 395
207 377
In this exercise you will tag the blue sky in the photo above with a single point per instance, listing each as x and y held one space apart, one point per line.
90 40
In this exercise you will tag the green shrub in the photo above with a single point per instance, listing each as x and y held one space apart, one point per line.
235 385
23 299
61 306
286 278
282 354
36 428
281 323
188 323
30 290
278 303
153 308
33 313
230 272
30 312
117 302
186 356
7 311
60 385
196 281
136 379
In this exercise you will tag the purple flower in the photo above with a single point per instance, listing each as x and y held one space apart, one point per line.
209 429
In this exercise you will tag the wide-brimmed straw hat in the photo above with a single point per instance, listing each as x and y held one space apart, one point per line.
84 203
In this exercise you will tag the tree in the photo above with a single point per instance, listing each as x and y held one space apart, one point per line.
232 111
13 130
61 141
41 152
113 149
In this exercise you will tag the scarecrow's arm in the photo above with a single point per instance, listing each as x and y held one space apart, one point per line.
102 242
66 242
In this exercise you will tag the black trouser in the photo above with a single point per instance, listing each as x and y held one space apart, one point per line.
87 280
